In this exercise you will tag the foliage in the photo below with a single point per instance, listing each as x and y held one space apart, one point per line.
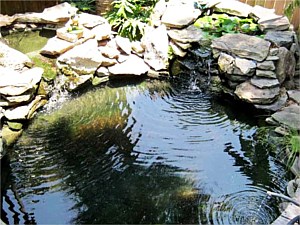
290 8
48 66
83 5
129 17
217 25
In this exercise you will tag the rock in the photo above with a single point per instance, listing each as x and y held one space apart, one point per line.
102 32
275 106
16 100
137 47
56 46
264 82
102 72
124 44
158 74
180 13
6 20
280 38
14 83
108 61
184 46
14 125
272 58
157 12
20 26
134 65
266 65
109 52
98 80
284 69
288 116
226 63
156 44
63 34
278 24
266 73
244 66
13 59
252 94
259 12
74 84
22 112
187 35
9 136
236 78
91 21
233 7
273 51
294 95
243 45
83 59
177 50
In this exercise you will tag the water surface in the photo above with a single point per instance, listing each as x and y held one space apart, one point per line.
153 152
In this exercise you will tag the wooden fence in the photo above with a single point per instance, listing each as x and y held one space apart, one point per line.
11 7
279 6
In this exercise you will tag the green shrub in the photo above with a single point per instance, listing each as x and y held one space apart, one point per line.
129 17
217 25
83 5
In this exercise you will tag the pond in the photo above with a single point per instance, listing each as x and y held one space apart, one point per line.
142 152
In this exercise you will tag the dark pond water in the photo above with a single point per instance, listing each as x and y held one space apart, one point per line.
153 152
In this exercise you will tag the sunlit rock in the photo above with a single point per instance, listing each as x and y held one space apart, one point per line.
134 65
264 82
10 136
102 31
156 44
6 20
157 12
13 59
91 21
186 35
279 103
76 82
83 59
233 7
180 13
124 44
242 45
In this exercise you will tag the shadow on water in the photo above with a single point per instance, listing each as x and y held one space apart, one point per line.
152 153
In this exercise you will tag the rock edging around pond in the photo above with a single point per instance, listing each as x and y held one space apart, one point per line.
252 69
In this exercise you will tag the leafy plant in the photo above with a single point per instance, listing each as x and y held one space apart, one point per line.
129 17
290 8
83 5
217 25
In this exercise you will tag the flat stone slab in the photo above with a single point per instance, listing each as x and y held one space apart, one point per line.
233 7
280 38
264 82
275 106
289 116
252 94
243 45
294 95
134 65
187 35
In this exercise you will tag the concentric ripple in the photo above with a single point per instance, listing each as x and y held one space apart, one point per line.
252 206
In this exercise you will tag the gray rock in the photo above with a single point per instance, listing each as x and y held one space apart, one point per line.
273 51
102 32
278 104
264 82
272 58
252 94
158 10
177 50
280 38
243 45
233 7
180 13
266 73
278 24
266 65
187 35
226 63
246 67
259 12
91 21
236 78
289 116
156 44
294 95
134 65
284 69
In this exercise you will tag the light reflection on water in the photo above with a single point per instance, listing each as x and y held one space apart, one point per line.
148 153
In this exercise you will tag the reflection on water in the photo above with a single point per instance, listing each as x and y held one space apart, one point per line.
149 153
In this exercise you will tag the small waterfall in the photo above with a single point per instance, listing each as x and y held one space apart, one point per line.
59 94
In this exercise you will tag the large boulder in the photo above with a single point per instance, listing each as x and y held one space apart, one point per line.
156 44
288 116
243 45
